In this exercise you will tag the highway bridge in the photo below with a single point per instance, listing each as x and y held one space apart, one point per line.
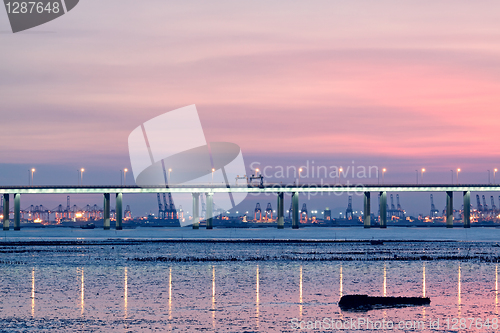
279 189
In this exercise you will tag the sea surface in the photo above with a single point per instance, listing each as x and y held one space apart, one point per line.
251 280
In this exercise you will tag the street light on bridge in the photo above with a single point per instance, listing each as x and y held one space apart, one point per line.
298 182
31 176
422 175
80 178
494 172
383 172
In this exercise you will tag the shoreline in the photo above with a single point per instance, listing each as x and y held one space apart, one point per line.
249 235
133 241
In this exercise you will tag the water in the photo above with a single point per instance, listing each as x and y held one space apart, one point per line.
109 283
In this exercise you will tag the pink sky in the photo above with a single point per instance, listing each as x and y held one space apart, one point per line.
388 81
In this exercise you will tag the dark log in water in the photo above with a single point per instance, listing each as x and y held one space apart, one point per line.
365 302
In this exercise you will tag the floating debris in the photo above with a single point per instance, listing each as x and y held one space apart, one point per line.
365 302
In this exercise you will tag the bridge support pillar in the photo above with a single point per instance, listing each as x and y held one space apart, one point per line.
466 209
196 210
119 211
295 210
367 215
6 208
106 212
280 220
210 205
383 209
17 211
449 209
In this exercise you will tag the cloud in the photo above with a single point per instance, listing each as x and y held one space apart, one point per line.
398 81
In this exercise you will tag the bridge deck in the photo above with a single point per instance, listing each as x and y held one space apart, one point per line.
268 188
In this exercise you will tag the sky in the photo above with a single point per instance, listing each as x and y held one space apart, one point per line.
400 85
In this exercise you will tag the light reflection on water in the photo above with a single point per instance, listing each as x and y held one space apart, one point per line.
170 293
423 279
300 292
341 282
496 289
385 281
257 300
238 296
33 292
125 292
169 299
213 297
82 288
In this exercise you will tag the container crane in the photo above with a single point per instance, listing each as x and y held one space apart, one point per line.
166 210
241 177
269 212
485 206
160 207
127 213
434 211
257 210
479 206
303 211
348 211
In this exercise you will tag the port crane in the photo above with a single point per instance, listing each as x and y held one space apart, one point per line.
127 213
303 211
434 211
257 210
348 211
269 212
252 177
241 177
160 207
485 206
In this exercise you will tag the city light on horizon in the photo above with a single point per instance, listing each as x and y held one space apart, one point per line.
391 104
